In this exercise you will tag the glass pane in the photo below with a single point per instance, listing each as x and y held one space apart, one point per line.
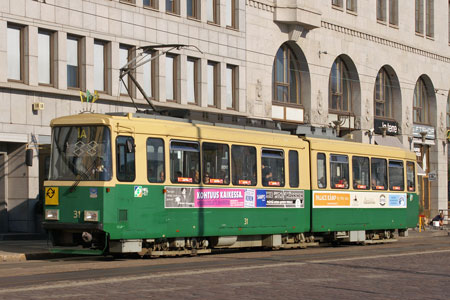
155 160
81 152
125 159
123 57
243 159
170 93
379 174
211 84
230 86
396 176
99 66
216 164
190 73
293 169
282 93
229 13
321 171
184 162
280 66
14 53
210 11
44 57
411 176
361 173
272 167
339 171
190 8
170 5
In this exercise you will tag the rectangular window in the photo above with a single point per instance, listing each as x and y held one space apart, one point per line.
419 16
124 57
212 83
321 170
45 57
339 171
173 6
293 169
272 167
230 8
361 173
151 4
411 176
184 162
126 170
231 90
155 160
99 65
73 62
171 77
192 80
15 52
216 164
243 162
337 3
212 11
149 75
381 10
352 5
379 174
430 18
193 9
396 175
393 12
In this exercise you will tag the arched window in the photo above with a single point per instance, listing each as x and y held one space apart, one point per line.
383 95
286 76
340 94
448 110
421 103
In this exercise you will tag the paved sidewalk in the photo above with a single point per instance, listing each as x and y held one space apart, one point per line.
22 250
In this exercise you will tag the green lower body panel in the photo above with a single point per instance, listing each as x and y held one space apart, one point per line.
76 251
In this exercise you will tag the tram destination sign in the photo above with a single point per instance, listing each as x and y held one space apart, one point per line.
391 126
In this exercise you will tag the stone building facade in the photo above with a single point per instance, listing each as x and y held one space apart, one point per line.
356 66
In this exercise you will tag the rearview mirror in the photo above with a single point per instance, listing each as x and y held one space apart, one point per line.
130 146
29 157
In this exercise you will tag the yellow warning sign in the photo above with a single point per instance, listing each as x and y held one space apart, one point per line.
51 196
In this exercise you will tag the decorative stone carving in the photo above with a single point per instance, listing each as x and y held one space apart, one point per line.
258 89
296 32
441 123
357 123
319 103
407 120
367 112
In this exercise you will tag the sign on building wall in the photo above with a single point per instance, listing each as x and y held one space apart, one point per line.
430 132
391 126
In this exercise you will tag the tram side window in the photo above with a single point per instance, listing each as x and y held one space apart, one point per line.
321 170
339 171
155 160
125 158
272 167
361 172
379 174
243 162
216 164
411 176
293 169
184 162
396 175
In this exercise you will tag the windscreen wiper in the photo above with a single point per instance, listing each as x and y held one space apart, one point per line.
83 175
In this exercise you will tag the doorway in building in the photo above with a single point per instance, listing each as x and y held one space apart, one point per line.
423 152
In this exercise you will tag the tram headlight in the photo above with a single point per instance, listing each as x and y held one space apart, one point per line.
52 214
91 215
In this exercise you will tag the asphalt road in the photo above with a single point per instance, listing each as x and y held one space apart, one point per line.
408 269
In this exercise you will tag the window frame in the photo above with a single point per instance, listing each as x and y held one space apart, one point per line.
174 8
215 12
360 186
269 153
196 10
78 75
21 61
429 18
214 83
413 164
390 177
196 149
341 185
231 5
158 176
393 13
339 4
51 34
105 64
419 14
421 105
376 187
351 6
195 80
231 86
381 11
322 185
383 82
289 58
244 182
118 153
215 181
153 4
342 79
174 76
130 50
152 76
294 174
